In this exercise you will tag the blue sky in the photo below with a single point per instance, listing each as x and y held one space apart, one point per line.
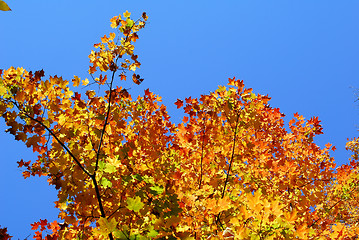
303 54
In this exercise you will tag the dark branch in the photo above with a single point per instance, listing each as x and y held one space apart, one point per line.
59 141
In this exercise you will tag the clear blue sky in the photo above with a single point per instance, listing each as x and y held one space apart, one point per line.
303 54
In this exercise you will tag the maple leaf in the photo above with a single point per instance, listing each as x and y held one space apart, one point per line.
43 224
302 231
144 16
4 6
38 235
107 226
134 204
106 183
123 77
137 79
179 103
77 96
35 225
115 21
291 217
22 163
126 14
3 234
76 81
38 75
85 82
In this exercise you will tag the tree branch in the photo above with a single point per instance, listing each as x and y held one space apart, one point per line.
232 156
58 140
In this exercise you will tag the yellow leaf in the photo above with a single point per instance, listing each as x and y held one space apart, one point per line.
76 81
245 212
235 221
224 204
126 14
276 208
302 231
291 217
106 226
2 91
85 82
62 205
114 23
62 119
338 230
254 199
132 67
4 6
112 36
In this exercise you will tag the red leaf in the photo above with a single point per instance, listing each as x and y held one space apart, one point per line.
136 79
38 235
179 103
22 163
39 74
3 234
35 225
43 224
77 96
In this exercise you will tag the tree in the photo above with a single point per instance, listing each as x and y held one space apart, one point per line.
124 171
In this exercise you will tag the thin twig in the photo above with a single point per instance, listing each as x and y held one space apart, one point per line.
201 172
232 156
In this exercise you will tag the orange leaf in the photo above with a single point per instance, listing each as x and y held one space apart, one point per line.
179 103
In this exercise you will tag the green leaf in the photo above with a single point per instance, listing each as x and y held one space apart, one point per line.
134 204
156 190
106 167
106 183
120 235
101 165
101 117
139 107
138 177
110 168
152 233
4 6
129 23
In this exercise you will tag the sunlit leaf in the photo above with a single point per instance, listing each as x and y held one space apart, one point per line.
134 204
4 6
126 14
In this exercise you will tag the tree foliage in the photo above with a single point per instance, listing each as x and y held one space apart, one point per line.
123 170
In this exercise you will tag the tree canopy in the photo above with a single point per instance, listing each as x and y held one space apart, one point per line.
123 170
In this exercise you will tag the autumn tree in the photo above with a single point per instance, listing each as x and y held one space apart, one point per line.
123 170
